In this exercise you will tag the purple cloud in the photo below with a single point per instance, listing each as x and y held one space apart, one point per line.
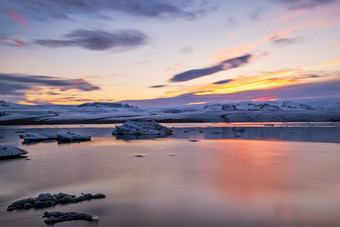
62 9
300 4
16 84
222 66
96 39
223 81
158 86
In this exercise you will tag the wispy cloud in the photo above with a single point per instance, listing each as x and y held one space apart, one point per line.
158 86
63 9
285 41
17 84
13 42
223 81
249 47
96 39
222 66
17 17
300 4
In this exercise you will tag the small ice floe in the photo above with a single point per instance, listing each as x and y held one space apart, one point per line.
72 137
141 128
47 200
36 137
31 137
8 151
54 217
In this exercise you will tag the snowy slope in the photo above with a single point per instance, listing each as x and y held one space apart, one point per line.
274 111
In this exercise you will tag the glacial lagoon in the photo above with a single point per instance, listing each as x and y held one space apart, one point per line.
246 174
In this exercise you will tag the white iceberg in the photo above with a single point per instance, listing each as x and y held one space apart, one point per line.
29 137
141 128
8 151
72 137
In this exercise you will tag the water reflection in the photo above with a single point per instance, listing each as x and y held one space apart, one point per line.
138 137
222 180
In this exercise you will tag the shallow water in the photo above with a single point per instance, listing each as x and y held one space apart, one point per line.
197 177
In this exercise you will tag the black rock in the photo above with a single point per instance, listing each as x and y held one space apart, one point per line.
48 200
54 217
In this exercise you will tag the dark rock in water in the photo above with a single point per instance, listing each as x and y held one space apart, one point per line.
54 217
139 155
28 205
48 200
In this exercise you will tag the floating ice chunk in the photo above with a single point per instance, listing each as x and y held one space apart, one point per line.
7 151
39 137
30 137
72 137
141 128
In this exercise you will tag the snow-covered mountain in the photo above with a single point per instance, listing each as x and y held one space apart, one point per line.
103 112
107 105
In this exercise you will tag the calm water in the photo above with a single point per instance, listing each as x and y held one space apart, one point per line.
198 177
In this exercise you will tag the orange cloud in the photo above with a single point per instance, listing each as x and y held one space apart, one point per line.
249 84
79 81
231 52
196 103
16 17
291 15
17 42
175 67
265 99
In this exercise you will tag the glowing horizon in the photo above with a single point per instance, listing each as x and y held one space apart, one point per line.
161 50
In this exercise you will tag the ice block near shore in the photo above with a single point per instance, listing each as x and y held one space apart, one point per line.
141 128
8 151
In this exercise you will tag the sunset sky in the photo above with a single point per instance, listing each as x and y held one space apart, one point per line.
168 52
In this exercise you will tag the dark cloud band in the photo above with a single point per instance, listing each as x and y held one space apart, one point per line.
15 84
222 66
302 4
223 81
62 9
158 86
96 39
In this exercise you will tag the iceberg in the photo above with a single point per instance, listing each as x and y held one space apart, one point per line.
141 128
33 137
29 137
72 137
8 151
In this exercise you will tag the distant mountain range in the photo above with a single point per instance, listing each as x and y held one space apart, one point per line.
104 112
